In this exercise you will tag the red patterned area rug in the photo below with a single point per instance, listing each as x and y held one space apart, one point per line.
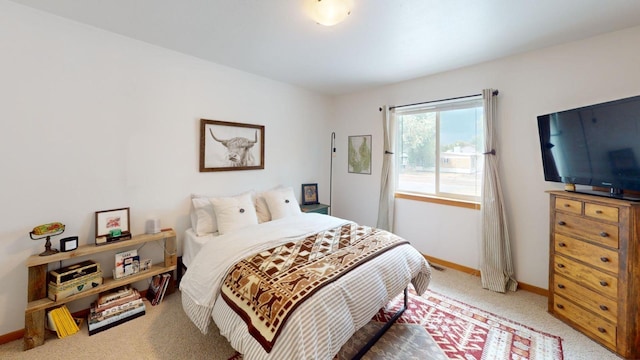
437 327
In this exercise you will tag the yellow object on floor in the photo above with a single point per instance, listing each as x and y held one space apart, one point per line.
63 322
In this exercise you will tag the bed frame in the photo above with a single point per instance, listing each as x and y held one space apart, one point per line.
382 330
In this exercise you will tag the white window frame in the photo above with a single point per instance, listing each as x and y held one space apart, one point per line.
437 107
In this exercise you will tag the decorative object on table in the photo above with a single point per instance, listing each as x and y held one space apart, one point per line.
73 279
112 225
126 263
47 231
69 243
228 146
360 154
145 264
152 226
309 194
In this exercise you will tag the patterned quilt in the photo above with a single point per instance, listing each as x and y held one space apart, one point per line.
265 288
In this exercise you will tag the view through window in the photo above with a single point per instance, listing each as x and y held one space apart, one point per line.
439 148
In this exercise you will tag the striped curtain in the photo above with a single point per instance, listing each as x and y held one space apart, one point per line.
496 269
386 207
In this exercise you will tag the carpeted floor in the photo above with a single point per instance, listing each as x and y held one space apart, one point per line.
166 333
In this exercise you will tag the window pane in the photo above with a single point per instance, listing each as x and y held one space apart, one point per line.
417 148
460 151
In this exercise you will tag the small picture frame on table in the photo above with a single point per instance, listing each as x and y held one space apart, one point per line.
112 225
309 194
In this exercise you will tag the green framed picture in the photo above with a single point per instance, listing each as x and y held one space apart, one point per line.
360 154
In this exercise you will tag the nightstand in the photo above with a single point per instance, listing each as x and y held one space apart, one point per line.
315 208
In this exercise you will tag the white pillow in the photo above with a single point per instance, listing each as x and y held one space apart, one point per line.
282 203
234 212
203 219
262 209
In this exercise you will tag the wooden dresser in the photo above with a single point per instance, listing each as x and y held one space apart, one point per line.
594 268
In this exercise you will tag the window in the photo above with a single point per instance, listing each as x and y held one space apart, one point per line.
439 148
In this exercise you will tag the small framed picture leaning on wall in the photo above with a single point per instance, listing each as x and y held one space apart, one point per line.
112 225
309 194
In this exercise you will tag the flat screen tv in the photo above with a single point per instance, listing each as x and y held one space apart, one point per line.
596 145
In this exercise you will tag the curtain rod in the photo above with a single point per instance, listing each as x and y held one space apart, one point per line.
495 93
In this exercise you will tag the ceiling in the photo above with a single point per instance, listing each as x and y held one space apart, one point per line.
381 42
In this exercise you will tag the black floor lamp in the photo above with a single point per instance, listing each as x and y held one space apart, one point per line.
333 151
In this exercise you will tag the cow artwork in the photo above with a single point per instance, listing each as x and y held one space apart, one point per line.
226 146
238 150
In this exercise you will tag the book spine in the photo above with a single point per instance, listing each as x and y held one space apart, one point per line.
114 318
96 330
97 317
117 308
106 297
102 303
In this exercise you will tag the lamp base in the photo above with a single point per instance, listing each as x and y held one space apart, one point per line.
49 252
47 248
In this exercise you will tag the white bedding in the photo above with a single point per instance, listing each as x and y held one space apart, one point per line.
193 243
322 324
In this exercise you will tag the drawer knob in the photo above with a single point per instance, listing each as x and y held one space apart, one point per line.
561 265
567 205
598 212
604 307
602 330
604 259
561 286
562 222
560 306
604 234
562 244
603 283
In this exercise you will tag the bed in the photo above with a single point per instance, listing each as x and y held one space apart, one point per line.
331 312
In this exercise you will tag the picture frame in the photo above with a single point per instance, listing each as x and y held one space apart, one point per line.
112 225
228 146
309 194
359 158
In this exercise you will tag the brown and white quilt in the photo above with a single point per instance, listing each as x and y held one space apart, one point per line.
265 288
317 327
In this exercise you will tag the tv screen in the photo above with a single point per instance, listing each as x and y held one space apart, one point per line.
595 145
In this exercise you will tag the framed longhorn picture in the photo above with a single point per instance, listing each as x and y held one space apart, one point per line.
226 146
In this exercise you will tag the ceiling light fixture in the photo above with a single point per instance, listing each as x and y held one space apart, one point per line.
329 12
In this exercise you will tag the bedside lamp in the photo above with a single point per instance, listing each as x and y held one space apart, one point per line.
47 231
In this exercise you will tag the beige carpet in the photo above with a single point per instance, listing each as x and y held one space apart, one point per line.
166 333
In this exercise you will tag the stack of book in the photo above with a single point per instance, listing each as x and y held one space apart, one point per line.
115 307
157 288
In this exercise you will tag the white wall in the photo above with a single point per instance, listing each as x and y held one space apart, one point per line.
94 121
568 76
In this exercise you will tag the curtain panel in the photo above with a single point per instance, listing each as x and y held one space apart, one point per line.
386 208
496 270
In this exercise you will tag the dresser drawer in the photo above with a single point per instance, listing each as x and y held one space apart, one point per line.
571 206
594 325
586 298
601 212
587 276
605 234
589 253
